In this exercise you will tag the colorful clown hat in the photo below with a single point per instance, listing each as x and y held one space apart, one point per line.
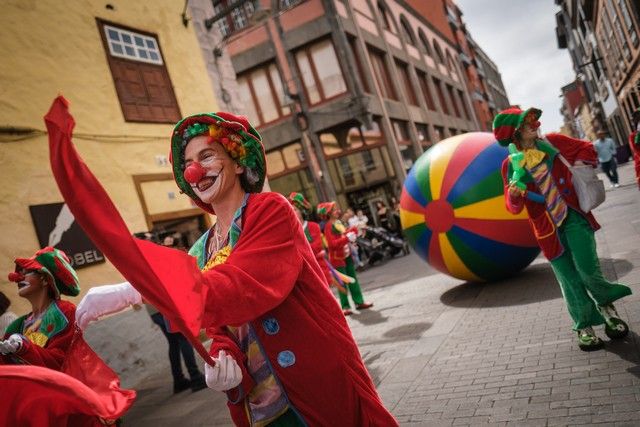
508 122
324 209
55 264
240 140
298 200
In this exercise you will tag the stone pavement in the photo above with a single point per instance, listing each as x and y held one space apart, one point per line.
443 352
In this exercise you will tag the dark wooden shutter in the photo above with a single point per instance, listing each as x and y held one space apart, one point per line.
144 90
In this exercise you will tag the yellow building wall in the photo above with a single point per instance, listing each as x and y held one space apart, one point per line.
51 47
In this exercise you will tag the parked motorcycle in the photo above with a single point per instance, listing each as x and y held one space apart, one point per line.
377 243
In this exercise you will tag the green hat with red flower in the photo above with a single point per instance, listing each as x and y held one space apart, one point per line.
507 123
324 209
239 139
55 264
298 200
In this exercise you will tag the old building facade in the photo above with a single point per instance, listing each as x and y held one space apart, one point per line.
130 71
602 37
347 94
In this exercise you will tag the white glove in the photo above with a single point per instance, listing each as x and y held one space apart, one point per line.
224 375
103 300
11 345
351 236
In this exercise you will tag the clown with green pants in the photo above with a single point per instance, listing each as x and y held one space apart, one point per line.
535 176
338 238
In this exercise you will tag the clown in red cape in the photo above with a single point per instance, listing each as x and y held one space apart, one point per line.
312 231
281 350
634 143
338 238
54 370
564 232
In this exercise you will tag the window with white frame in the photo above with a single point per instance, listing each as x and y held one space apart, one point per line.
131 45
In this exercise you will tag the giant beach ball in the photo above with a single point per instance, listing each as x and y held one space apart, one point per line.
453 213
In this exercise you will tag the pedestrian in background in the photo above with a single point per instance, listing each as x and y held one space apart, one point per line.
606 149
634 143
383 214
178 345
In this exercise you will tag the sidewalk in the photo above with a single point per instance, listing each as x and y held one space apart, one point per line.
443 352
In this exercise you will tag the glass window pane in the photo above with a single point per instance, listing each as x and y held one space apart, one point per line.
355 138
329 144
139 41
264 96
275 163
151 44
277 83
129 50
143 53
113 35
154 56
247 101
126 38
307 77
293 155
285 184
117 48
328 69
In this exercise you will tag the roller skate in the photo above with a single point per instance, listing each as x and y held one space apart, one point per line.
614 326
588 340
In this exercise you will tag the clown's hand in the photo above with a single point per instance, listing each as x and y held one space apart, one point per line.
103 300
224 375
11 345
351 236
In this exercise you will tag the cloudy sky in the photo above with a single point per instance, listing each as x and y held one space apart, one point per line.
519 36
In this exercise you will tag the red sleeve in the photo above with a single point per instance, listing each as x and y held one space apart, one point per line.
334 240
632 143
574 149
222 340
55 351
318 250
513 204
262 268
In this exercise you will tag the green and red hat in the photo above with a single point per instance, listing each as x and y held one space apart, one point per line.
239 139
324 209
54 263
298 200
508 122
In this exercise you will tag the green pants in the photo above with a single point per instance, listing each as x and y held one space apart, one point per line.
578 272
354 288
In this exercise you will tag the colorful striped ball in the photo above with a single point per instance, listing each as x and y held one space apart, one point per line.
453 211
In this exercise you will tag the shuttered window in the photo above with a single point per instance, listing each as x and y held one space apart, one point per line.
139 75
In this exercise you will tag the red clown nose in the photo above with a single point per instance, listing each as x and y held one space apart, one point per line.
16 277
194 173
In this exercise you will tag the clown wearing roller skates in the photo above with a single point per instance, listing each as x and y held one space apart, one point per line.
536 177
338 238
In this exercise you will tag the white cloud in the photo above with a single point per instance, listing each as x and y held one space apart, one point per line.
519 36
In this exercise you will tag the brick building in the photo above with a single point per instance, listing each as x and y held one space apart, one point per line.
347 94
602 38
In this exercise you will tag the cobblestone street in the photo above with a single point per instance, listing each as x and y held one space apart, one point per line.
443 352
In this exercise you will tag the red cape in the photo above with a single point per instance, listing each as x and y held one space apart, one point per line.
152 269
85 390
